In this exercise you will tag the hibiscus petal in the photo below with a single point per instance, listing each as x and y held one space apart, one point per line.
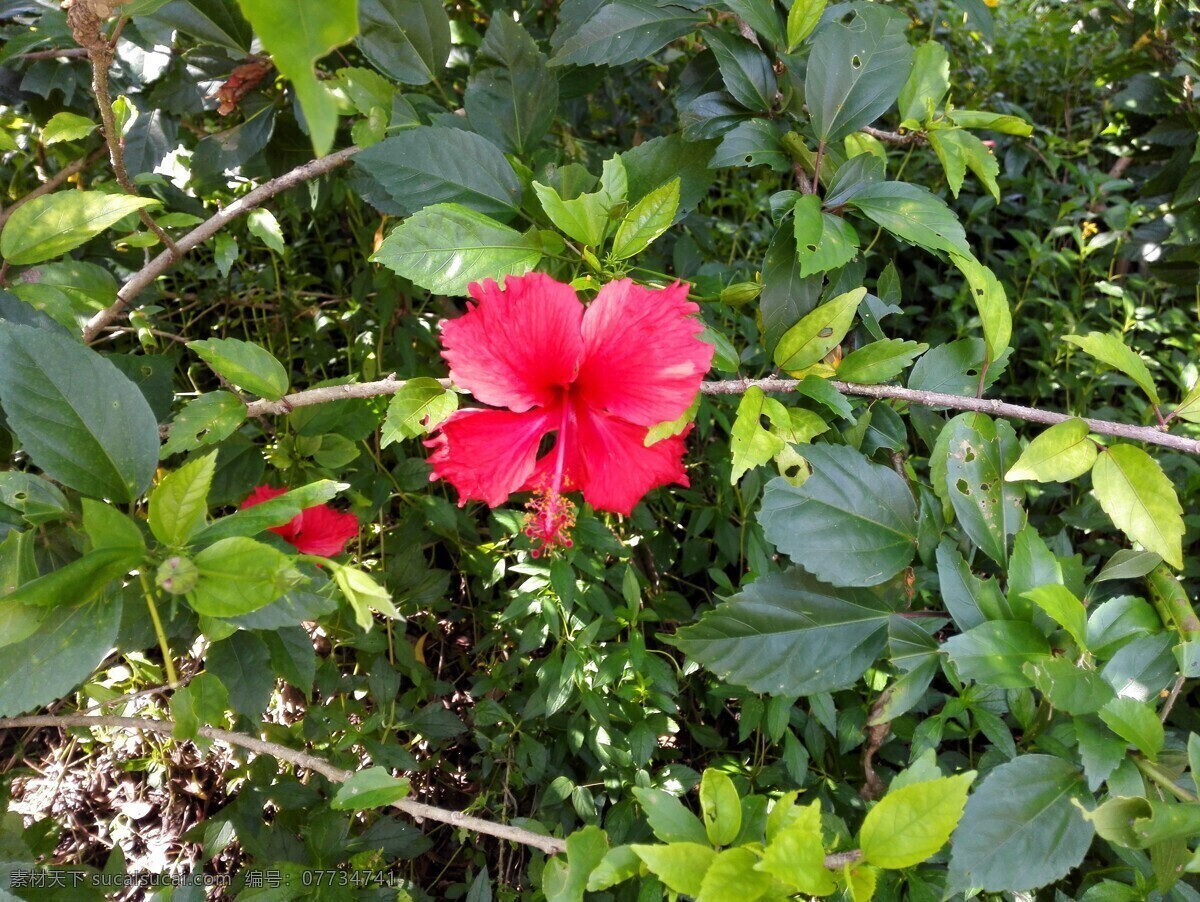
516 347
260 494
322 530
611 465
642 361
488 454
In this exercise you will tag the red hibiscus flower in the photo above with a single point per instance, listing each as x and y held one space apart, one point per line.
319 530
597 377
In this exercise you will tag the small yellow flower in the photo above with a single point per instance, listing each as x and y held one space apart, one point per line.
1089 229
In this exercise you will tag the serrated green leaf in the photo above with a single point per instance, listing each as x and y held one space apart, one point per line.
646 221
1140 500
910 824
567 881
245 364
263 225
1060 454
855 70
446 247
239 575
81 420
1111 350
669 818
913 214
802 19
1020 830
745 70
297 33
55 223
1064 609
796 854
511 97
995 653
732 876
751 444
409 40
67 126
790 634
416 409
1135 722
927 83
79 581
583 218
681 866
997 122
819 332
851 523
959 151
1068 687
622 31
206 420
992 303
372 787
179 503
879 361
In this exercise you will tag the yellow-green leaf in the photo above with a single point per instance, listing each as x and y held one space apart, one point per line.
649 218
721 807
819 332
1064 608
797 856
56 223
1111 350
802 19
681 866
910 824
1061 453
1140 499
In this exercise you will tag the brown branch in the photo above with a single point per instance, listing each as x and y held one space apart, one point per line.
548 844
1148 434
88 31
52 183
894 137
144 277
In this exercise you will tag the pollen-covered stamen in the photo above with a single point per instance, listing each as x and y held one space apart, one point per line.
552 516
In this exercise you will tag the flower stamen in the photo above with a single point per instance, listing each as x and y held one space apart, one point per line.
552 516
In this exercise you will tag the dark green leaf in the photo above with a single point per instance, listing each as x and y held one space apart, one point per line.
512 97
789 634
995 653
407 39
77 416
852 522
243 664
625 30
745 69
913 214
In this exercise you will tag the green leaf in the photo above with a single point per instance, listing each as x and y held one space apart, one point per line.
1140 500
70 643
245 364
1139 823
855 70
37 499
208 419
819 332
721 807
1100 751
1069 688
242 662
276 511
263 225
201 702
980 450
755 142
802 19
622 31
79 581
997 122
1111 350
212 21
1060 454
646 221
681 866
852 522
446 247
415 171
1189 408
669 818
660 431
364 595
732 875
512 97
67 127
1136 723
751 444
788 634
620 864
912 213
796 854
416 409
77 416
992 303
239 575
372 787
1019 830
297 33
409 40
910 824
107 527
995 653
745 70
879 361
1064 609
959 151
583 218
179 504
55 223
823 241
927 83
567 881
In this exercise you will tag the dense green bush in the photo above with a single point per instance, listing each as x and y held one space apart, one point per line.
913 629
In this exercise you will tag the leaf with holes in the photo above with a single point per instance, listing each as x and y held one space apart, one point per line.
979 451
819 332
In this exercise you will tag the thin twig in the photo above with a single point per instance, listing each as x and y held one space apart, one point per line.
53 54
52 183
1148 434
144 277
894 137
88 32
548 844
